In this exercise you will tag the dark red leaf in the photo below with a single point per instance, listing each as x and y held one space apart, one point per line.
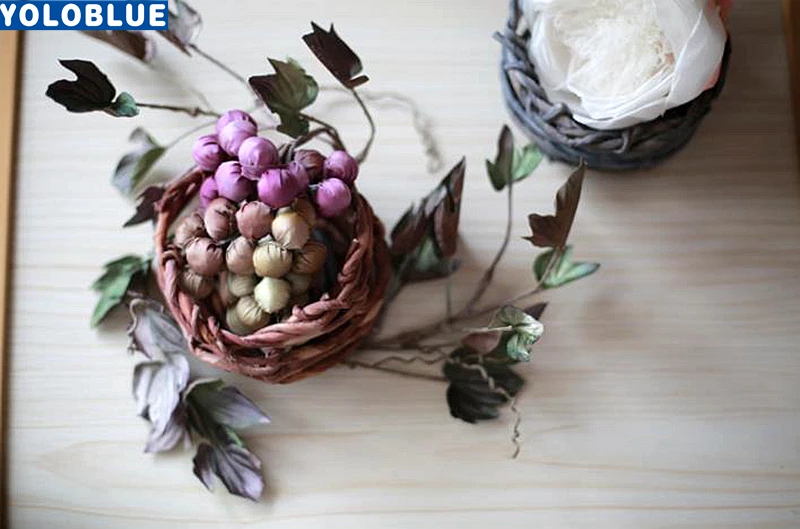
448 212
89 92
184 26
550 231
336 56
146 209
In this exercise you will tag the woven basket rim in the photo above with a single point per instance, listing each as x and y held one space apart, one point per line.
563 138
304 344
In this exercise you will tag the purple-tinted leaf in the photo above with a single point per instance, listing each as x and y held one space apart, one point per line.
336 56
174 433
549 231
226 405
89 92
184 26
157 388
134 43
153 332
202 465
146 208
237 468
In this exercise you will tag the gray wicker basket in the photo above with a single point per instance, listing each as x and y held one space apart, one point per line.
552 127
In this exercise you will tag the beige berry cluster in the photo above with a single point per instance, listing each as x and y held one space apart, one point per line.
260 261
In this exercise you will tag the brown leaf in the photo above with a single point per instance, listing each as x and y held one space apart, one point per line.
448 212
409 231
336 56
146 209
536 310
482 342
134 43
550 231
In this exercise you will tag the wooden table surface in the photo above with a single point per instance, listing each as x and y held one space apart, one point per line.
666 392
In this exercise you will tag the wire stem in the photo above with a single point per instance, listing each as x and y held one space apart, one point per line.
365 151
192 111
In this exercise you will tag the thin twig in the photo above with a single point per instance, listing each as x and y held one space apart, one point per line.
334 134
486 280
192 111
221 65
355 363
189 133
365 151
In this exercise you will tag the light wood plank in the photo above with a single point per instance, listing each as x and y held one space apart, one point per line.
665 392
9 63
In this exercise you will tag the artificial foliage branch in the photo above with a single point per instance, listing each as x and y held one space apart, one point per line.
476 347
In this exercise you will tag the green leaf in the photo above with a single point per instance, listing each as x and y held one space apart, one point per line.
114 282
563 271
525 331
501 169
124 106
526 161
287 92
135 165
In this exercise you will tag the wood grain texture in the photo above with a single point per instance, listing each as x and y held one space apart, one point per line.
10 42
665 393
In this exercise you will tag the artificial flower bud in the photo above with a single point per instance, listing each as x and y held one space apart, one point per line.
207 153
189 228
204 256
239 257
233 115
272 294
300 283
208 191
254 220
278 187
234 323
256 156
225 295
251 314
271 260
332 197
342 166
312 161
241 286
290 230
197 286
233 135
304 208
299 173
220 219
231 183
310 259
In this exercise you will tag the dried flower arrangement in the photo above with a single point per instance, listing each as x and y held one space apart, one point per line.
281 269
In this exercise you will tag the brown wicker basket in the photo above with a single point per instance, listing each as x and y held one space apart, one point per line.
561 137
314 337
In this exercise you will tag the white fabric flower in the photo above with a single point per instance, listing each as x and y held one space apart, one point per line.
616 63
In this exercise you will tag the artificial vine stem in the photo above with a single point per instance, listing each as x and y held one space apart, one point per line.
334 134
219 64
365 151
192 111
355 363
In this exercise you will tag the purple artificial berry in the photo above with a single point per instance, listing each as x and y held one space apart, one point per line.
231 183
278 188
234 134
332 197
342 166
256 155
300 174
208 191
233 115
207 153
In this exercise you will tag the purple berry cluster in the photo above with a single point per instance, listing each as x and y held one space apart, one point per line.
243 165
